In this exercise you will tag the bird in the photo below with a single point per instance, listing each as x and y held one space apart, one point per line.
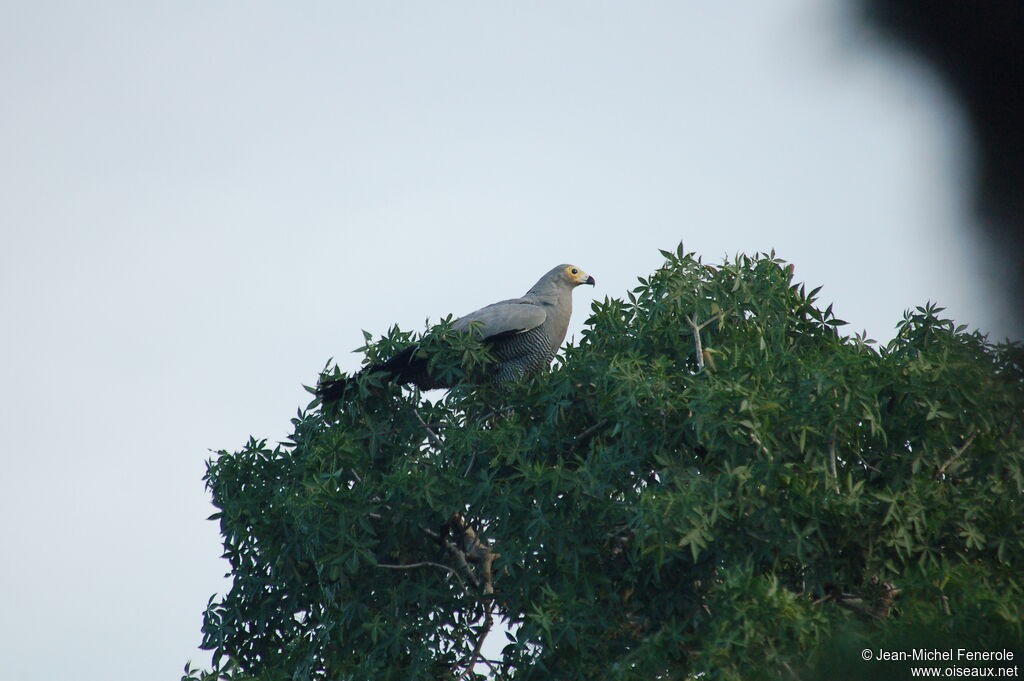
522 335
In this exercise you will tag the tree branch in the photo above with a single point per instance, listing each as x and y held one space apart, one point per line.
957 453
832 459
458 554
475 655
697 327
410 566
430 434
585 436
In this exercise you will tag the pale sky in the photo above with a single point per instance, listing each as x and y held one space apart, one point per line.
203 201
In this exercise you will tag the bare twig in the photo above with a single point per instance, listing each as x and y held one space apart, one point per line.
476 550
876 602
491 664
460 559
866 464
957 453
696 340
875 609
697 328
431 533
472 660
456 553
757 537
494 414
462 543
583 437
410 566
431 434
832 459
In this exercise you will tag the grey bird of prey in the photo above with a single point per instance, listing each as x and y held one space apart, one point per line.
523 335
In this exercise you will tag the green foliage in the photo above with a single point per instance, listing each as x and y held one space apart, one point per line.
656 506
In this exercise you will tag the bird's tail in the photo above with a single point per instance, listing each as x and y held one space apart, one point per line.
408 366
333 389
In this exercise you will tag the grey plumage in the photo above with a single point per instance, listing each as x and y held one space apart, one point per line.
523 335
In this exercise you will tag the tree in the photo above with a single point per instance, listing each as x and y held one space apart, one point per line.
713 483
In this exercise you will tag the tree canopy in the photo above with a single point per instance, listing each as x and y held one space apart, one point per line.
713 483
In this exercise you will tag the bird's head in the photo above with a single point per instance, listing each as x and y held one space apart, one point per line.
576 276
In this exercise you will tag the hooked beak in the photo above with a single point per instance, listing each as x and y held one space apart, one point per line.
590 280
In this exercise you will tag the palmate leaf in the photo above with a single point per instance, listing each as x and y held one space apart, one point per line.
640 512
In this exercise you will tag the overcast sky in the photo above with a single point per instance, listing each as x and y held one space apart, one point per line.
203 201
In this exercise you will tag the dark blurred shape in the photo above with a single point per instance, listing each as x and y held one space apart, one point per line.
978 48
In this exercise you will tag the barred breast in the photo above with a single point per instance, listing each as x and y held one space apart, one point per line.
522 354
